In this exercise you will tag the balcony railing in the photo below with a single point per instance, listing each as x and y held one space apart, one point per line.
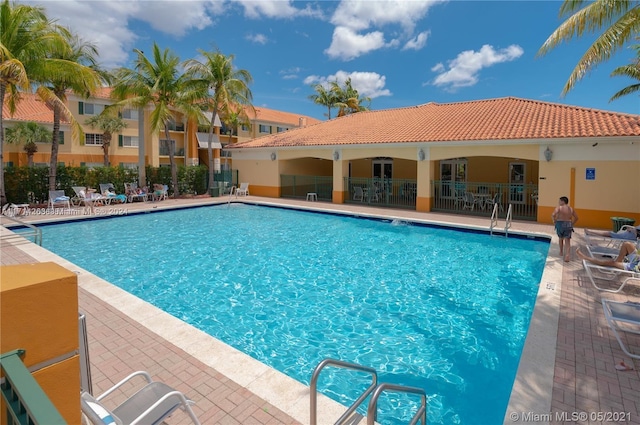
476 198
395 193
297 187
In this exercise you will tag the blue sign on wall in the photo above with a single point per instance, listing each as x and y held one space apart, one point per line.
590 174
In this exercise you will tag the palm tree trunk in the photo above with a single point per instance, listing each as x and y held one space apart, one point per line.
210 148
172 161
3 196
105 149
30 160
53 163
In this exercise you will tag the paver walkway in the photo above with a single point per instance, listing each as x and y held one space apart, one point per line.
585 378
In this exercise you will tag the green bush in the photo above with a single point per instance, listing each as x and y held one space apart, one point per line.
31 184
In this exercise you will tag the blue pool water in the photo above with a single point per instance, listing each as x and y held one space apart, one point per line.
440 309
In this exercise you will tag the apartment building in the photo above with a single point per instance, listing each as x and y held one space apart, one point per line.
190 143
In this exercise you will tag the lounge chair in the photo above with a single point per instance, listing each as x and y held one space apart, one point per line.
88 199
150 405
625 313
131 191
626 233
159 195
58 198
611 274
109 190
243 190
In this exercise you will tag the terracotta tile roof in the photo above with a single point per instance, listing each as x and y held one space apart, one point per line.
267 115
506 118
29 108
103 93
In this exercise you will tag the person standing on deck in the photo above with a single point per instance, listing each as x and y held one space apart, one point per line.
564 217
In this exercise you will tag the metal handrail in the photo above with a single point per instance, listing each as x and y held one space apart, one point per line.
37 233
421 414
231 192
507 223
344 365
494 218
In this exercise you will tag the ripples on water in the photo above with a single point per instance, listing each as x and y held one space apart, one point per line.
443 310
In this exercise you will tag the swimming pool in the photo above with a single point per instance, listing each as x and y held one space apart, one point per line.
444 310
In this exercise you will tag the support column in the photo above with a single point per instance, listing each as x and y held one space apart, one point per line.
425 176
340 171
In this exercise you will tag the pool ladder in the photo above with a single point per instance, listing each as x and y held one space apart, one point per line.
351 417
34 232
507 222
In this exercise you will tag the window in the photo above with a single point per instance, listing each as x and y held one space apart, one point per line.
93 139
130 141
129 165
244 127
93 108
264 128
281 129
453 176
165 146
130 114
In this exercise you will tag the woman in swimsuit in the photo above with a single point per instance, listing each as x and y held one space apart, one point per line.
628 251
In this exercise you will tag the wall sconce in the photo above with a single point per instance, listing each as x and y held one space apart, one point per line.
336 155
548 154
273 156
421 154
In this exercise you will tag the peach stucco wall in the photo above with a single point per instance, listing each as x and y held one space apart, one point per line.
39 313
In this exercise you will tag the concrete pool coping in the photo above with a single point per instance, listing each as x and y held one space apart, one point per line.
532 390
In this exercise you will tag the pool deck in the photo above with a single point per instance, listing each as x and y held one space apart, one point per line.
567 366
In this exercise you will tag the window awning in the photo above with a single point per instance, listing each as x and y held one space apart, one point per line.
203 141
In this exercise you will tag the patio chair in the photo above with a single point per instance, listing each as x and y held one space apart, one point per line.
150 405
622 313
358 194
109 190
611 274
58 198
131 191
497 200
160 192
88 199
243 190
469 201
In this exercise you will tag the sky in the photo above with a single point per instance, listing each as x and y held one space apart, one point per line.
397 52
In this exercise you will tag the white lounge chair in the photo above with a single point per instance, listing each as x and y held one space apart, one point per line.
58 198
610 274
88 199
626 233
131 191
626 314
243 190
150 405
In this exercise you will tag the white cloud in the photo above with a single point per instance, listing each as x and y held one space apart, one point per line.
353 17
369 84
418 42
291 73
109 21
347 44
256 9
463 70
257 38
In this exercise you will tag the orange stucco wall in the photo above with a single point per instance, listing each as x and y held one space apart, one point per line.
39 313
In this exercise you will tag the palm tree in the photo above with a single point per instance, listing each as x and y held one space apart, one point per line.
28 134
229 87
159 83
619 20
324 97
26 35
109 123
348 99
631 70
72 68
